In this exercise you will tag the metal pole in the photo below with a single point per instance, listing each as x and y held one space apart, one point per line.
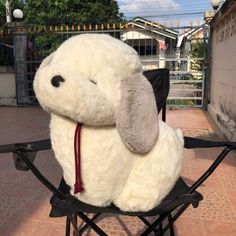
205 79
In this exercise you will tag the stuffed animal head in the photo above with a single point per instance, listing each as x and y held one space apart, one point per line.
97 80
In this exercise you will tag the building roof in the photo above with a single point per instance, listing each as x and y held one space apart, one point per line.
142 23
192 32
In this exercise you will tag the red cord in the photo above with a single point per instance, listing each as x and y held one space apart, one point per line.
78 182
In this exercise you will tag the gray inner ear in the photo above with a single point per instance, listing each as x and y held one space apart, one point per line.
137 117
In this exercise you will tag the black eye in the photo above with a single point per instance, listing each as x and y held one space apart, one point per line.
57 80
93 81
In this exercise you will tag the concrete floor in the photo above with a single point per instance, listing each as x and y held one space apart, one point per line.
24 202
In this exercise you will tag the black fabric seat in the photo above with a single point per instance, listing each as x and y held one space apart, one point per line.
178 196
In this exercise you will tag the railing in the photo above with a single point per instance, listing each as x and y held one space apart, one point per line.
6 51
186 86
156 51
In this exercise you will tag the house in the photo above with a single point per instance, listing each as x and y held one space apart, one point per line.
188 41
153 42
191 36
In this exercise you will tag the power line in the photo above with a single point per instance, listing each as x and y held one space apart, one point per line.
164 9
153 4
158 2
178 14
167 10
150 6
159 13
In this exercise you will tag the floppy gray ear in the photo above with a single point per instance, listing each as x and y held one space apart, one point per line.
137 117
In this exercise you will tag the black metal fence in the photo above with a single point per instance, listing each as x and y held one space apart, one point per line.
6 50
157 46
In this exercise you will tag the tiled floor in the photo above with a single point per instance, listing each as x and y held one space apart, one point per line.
24 203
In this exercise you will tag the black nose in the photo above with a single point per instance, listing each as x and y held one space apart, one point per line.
57 80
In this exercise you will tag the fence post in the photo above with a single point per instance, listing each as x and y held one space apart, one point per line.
205 67
20 46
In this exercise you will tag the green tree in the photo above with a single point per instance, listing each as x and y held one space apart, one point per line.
198 50
66 12
14 4
2 14
55 12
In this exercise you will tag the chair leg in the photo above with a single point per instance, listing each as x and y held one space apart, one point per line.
171 225
160 231
86 226
146 222
164 113
67 226
76 225
154 225
175 216
73 222
91 224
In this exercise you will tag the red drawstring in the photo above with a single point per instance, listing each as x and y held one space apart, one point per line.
78 182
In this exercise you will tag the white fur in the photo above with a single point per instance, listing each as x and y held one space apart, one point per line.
110 171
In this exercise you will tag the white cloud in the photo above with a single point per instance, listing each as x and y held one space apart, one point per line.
145 7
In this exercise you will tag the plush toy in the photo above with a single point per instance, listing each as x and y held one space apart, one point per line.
104 124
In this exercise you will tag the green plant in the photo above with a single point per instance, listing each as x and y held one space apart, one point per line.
182 102
198 50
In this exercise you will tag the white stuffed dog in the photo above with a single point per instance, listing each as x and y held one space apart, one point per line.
127 156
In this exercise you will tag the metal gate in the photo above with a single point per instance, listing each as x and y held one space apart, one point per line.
6 50
181 49
186 85
188 67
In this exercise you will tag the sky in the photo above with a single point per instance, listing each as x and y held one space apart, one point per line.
166 11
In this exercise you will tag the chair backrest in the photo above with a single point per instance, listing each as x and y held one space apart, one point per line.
160 80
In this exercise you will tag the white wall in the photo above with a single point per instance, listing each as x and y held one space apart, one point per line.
222 105
7 87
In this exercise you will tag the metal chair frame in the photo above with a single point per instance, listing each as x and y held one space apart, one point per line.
23 157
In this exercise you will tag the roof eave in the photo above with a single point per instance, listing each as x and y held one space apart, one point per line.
154 31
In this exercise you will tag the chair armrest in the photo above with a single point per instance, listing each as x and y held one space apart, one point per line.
228 148
23 156
7 148
190 143
30 149
27 146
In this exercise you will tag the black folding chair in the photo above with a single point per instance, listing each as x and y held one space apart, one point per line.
165 214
